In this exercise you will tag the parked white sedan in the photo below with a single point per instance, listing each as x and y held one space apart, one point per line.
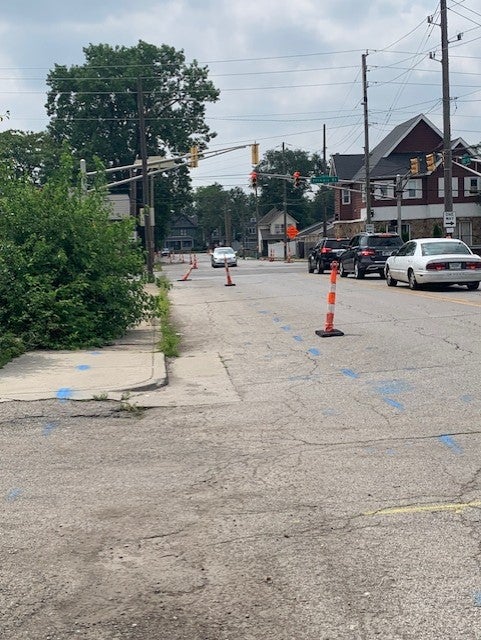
433 261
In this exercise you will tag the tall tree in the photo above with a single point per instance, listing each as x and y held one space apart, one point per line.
94 107
284 163
29 156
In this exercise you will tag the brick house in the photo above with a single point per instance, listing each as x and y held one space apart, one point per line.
422 203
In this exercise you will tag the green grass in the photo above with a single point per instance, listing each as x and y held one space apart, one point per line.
170 340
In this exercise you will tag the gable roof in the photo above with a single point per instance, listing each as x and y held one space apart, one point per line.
383 162
346 166
273 214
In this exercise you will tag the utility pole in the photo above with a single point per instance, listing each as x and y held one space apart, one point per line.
323 188
149 229
284 199
399 195
448 165
366 141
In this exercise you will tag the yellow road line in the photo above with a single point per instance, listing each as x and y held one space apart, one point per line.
454 506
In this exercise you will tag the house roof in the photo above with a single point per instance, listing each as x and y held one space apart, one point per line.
346 166
384 162
272 215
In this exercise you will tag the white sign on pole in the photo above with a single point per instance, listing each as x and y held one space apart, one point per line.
449 219
369 228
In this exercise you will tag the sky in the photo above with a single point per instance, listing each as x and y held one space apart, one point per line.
287 70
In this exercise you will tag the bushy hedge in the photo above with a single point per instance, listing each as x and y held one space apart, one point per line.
69 277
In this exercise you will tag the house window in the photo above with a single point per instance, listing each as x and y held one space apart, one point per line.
346 196
278 228
384 190
454 187
464 231
414 189
182 232
405 231
472 186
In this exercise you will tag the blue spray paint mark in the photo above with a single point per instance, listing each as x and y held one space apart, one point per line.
350 373
95 353
329 412
286 327
392 387
276 319
450 442
391 452
13 494
467 398
48 428
263 311
298 338
394 403
314 352
477 598
64 393
83 367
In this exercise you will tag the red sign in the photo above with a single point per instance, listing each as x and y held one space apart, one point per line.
292 232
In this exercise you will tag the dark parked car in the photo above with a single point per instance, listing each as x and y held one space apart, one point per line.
324 252
367 253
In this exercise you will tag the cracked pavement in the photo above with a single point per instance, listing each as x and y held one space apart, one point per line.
328 491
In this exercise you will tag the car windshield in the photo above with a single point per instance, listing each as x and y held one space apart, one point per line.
444 248
384 241
224 251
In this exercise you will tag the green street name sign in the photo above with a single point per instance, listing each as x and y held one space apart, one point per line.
323 179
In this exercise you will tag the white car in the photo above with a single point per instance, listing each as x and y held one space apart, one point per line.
433 261
221 255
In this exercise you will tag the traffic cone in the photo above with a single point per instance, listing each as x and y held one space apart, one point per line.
196 266
186 275
229 282
329 330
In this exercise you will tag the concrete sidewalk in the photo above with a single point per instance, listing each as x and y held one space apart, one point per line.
132 364
133 370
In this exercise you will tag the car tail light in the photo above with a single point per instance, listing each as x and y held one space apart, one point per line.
473 265
325 250
367 252
436 266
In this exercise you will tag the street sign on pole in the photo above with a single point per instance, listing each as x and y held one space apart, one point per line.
449 219
324 179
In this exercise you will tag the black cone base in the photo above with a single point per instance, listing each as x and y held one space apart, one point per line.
327 334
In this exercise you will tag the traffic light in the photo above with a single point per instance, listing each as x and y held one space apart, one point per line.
253 177
415 169
194 156
255 153
431 161
297 178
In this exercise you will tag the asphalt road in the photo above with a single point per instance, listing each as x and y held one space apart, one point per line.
330 490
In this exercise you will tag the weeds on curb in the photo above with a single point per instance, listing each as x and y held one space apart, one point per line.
170 340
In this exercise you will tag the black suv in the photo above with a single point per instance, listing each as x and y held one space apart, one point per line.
324 252
368 252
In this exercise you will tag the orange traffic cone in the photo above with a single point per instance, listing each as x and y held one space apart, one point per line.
329 330
229 282
196 266
187 274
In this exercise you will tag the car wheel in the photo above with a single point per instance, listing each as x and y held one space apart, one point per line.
310 268
413 284
472 286
342 271
389 280
358 272
320 268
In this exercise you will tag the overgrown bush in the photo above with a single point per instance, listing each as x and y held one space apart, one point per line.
69 277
